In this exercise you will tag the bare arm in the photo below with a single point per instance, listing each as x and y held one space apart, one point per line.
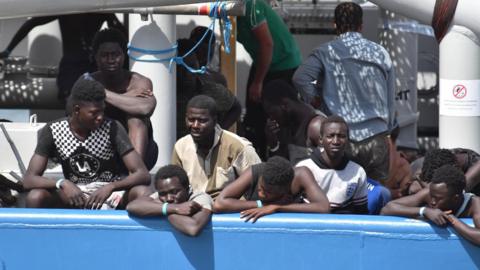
191 225
469 233
262 60
70 194
189 222
138 134
138 174
407 206
142 106
33 176
229 199
304 181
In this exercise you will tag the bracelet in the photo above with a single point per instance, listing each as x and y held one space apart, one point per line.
275 149
164 209
259 204
59 182
421 211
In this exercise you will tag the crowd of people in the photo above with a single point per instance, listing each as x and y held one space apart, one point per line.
325 127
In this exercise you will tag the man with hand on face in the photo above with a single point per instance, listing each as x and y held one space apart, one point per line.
129 95
88 147
211 156
273 186
344 181
188 212
443 202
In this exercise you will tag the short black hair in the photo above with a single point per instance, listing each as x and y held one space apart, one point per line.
277 171
348 17
204 102
274 91
170 171
109 35
85 89
435 159
333 119
452 176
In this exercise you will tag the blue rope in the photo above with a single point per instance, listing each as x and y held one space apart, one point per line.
215 14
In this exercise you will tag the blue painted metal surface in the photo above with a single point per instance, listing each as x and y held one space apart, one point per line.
79 239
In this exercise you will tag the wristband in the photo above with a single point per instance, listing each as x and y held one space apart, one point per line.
275 149
164 209
259 204
421 211
59 182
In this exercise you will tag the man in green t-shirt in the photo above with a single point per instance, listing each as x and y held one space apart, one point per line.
275 55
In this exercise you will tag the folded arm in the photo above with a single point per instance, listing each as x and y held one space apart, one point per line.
137 105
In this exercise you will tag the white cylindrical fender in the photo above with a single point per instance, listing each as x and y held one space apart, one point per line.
158 33
459 90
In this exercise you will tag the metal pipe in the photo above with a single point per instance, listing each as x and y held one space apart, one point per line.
26 8
231 8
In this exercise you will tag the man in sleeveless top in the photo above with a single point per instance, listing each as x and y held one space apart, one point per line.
211 156
293 127
88 146
273 186
443 202
129 97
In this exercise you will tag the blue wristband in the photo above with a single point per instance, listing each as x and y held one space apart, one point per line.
164 208
259 204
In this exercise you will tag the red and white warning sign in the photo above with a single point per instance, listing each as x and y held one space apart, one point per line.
459 91
459 97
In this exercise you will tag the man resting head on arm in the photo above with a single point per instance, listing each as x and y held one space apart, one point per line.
188 212
442 202
273 186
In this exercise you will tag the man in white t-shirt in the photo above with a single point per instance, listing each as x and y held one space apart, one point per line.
343 181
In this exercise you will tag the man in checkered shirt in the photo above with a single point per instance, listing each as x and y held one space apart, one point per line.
90 149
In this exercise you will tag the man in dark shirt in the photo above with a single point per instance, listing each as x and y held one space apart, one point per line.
88 147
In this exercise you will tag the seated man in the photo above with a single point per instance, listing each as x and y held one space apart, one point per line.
188 212
273 186
293 127
211 156
88 147
129 95
344 181
442 202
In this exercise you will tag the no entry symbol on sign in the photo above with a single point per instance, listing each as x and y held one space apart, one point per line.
459 91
